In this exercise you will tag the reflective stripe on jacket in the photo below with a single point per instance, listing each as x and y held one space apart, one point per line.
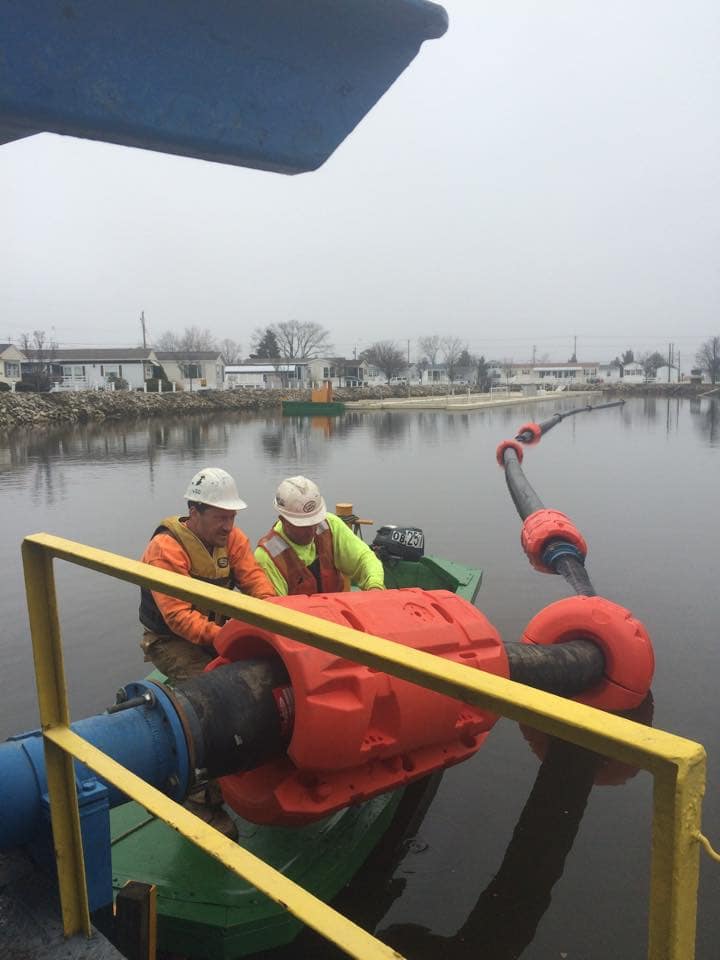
209 568
321 577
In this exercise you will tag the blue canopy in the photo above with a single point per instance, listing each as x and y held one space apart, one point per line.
270 84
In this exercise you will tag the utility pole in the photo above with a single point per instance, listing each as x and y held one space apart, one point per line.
534 350
670 358
142 324
408 368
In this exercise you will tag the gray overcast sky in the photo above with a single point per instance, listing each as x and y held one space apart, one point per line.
542 171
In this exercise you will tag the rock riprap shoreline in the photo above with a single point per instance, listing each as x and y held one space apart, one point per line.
29 410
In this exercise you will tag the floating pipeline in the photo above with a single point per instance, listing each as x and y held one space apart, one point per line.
297 733
358 733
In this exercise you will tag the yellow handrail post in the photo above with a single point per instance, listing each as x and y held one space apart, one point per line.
677 806
52 701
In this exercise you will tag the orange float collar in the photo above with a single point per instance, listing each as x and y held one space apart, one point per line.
359 732
505 445
624 641
544 526
529 433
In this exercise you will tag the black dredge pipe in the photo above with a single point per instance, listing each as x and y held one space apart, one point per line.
237 716
240 715
526 436
566 669
527 502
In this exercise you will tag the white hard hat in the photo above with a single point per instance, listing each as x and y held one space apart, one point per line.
216 488
298 500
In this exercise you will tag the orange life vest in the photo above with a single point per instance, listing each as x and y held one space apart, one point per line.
321 577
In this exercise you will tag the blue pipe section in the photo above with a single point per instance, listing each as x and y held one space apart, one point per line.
149 740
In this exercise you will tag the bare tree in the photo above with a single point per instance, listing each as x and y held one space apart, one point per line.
168 341
301 341
430 348
230 351
506 365
387 356
194 340
708 358
452 349
40 351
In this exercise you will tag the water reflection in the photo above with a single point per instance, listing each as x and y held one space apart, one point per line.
387 426
42 454
706 418
112 441
304 438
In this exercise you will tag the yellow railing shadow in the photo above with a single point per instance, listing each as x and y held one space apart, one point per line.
677 765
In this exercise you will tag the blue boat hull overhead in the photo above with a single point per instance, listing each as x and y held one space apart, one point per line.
270 84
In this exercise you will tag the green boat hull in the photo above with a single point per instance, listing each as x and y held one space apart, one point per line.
207 911
306 408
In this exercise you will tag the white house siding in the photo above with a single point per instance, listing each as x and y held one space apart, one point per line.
666 374
633 373
10 364
207 366
339 371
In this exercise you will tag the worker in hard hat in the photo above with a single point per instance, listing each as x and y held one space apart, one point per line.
206 545
178 639
309 550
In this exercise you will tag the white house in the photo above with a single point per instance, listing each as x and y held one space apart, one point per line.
633 373
339 371
11 360
96 368
610 372
667 374
547 375
267 375
193 369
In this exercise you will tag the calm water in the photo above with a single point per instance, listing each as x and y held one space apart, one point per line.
502 866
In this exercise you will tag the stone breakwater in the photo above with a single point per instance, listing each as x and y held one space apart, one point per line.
30 410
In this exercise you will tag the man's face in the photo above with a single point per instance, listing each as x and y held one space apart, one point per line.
300 535
212 526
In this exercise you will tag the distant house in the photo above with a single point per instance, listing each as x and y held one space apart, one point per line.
430 375
11 360
667 374
610 372
266 375
549 375
633 373
339 371
95 368
193 369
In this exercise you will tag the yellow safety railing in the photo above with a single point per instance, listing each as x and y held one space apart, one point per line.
677 765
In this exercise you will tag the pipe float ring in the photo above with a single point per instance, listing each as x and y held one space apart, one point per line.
359 732
543 526
624 641
532 428
506 445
